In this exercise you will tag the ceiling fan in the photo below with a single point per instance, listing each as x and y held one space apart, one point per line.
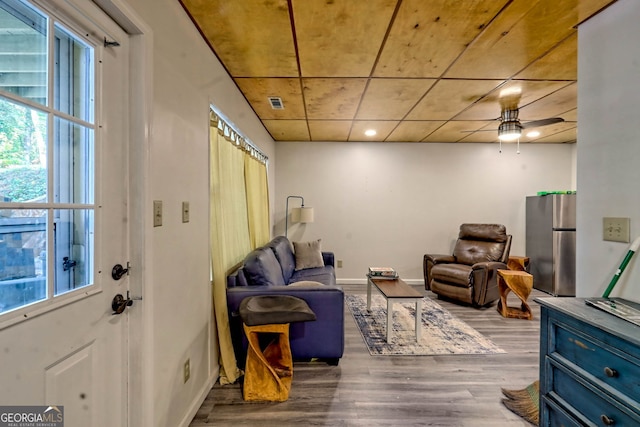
510 128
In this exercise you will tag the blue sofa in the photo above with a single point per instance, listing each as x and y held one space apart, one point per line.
270 270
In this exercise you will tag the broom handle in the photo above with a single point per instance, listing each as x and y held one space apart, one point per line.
632 250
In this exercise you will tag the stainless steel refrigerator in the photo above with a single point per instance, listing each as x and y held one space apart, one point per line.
551 243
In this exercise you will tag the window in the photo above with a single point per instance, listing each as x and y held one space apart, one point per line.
47 157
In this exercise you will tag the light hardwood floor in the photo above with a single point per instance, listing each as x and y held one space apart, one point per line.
363 390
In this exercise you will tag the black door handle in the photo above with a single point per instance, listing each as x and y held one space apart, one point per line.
68 264
118 271
119 303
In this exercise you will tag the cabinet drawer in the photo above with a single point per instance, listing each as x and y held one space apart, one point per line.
584 399
553 415
613 367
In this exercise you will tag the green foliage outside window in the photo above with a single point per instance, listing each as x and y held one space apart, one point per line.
23 176
21 136
22 184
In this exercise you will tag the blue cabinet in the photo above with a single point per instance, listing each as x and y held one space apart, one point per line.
589 366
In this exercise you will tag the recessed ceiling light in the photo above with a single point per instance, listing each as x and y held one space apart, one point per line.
370 132
533 134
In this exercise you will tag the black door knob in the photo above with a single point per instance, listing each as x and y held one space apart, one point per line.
118 271
119 303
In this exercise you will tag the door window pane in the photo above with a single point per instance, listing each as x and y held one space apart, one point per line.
23 153
47 157
23 262
23 51
73 245
73 163
73 76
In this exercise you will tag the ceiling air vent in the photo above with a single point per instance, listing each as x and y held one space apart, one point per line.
276 103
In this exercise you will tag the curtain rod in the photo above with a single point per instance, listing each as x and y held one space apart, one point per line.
235 137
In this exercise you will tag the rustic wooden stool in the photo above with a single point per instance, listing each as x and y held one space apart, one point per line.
269 371
521 284
520 263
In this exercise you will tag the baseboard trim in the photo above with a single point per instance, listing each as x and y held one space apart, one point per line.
363 281
199 400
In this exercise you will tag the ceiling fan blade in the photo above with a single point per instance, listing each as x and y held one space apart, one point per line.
510 98
543 122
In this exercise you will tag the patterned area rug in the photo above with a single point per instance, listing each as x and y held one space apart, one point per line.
442 333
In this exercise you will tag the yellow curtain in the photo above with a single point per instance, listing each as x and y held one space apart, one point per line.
239 222
230 236
255 173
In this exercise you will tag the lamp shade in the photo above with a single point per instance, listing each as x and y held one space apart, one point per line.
305 214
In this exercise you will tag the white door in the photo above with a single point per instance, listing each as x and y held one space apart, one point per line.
64 210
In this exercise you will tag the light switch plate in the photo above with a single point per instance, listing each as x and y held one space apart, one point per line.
157 213
616 229
185 211
186 372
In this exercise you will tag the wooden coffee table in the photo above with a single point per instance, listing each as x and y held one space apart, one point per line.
396 291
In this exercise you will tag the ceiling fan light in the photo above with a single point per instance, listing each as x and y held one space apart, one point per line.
508 137
509 131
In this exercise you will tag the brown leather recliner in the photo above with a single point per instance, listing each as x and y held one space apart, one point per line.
470 274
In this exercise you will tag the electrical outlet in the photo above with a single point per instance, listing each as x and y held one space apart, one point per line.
185 211
187 370
616 229
157 213
339 263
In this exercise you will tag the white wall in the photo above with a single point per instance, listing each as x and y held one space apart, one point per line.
609 147
187 78
387 204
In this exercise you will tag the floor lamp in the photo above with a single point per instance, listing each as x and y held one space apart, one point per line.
302 214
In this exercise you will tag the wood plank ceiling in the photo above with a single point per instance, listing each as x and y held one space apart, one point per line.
412 70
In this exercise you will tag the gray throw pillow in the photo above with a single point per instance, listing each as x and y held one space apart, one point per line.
308 254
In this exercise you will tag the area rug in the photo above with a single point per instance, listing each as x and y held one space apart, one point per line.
442 333
525 402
